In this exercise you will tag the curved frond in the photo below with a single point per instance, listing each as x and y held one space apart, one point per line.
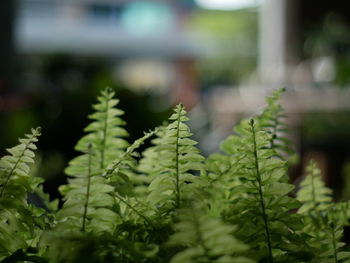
122 171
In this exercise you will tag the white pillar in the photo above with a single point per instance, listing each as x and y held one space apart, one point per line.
272 43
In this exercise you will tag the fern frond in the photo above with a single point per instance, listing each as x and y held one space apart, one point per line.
260 203
105 135
272 120
14 168
148 165
313 194
219 182
88 196
324 220
150 157
17 224
88 199
178 156
122 172
128 185
76 247
205 239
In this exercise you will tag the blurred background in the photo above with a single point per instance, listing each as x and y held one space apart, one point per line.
220 58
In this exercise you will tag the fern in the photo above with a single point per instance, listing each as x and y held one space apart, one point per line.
206 239
177 157
219 182
261 203
323 219
88 200
170 204
15 168
313 194
149 163
122 171
17 225
105 135
128 185
88 195
272 120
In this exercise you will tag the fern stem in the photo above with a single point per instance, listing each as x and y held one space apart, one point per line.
129 151
87 190
16 164
334 244
262 203
177 160
104 135
133 209
313 193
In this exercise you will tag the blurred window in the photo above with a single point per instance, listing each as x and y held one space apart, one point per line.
38 9
104 13
146 17
146 74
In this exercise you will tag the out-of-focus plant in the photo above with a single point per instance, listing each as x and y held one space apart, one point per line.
231 38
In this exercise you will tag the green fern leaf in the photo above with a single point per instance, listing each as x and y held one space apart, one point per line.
313 194
260 202
149 163
272 120
206 239
323 219
177 157
122 172
88 196
88 199
130 186
220 182
15 168
16 220
105 135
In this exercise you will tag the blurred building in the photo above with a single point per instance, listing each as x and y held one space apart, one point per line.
147 38
304 46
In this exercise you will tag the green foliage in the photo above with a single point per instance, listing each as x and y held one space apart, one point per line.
205 238
323 219
176 158
272 121
19 222
313 193
88 194
170 204
260 202
105 135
